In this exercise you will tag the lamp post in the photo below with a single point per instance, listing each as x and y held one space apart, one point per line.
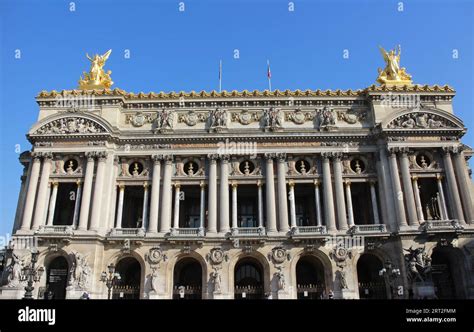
110 278
392 275
32 275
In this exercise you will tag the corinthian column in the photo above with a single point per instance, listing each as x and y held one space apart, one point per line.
328 196
212 214
155 194
416 191
145 206
386 191
98 191
464 183
86 197
282 197
339 187
42 198
31 192
202 210
317 198
52 204
165 217
270 194
453 186
291 184
350 211
234 206
408 189
373 197
443 209
397 190
77 204
260 204
224 195
177 194
118 219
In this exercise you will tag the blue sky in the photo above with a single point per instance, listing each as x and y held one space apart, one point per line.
173 50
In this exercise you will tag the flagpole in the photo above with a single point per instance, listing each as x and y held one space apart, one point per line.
269 75
220 76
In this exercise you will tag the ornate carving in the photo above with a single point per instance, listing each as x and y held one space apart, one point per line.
14 271
352 116
280 277
326 118
217 120
164 121
418 265
191 118
71 125
217 256
420 120
97 78
216 280
299 117
245 117
340 254
155 255
81 272
273 118
138 119
393 74
278 255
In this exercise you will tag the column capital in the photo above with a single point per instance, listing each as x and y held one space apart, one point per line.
168 158
157 158
269 156
281 156
145 185
317 183
259 183
121 186
372 182
454 149
439 177
326 156
202 184
79 182
414 177
337 156
47 156
347 182
213 157
234 184
291 184
54 183
177 185
224 158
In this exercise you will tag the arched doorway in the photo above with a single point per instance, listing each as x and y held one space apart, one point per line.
128 287
371 284
187 279
448 283
310 282
248 279
56 279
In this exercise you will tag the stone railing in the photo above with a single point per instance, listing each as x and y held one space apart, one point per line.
127 232
248 231
378 228
308 230
187 232
55 229
441 225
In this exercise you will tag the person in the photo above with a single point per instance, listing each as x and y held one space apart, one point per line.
84 296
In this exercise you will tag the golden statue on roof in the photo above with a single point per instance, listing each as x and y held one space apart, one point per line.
393 74
96 78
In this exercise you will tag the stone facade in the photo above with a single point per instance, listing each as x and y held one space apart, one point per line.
284 194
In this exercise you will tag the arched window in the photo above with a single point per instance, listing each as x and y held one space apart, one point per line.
56 282
310 278
130 275
371 284
187 279
248 279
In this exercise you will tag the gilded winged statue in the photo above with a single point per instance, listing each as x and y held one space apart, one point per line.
392 73
97 78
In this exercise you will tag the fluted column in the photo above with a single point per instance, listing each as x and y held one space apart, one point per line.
260 204
373 197
118 219
408 189
443 209
291 184
453 186
282 196
339 189
86 197
52 203
234 205
397 190
224 195
155 194
416 192
317 198
386 190
350 211
42 199
464 183
177 194
31 192
98 191
145 206
212 196
165 217
77 204
202 210
328 195
270 194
